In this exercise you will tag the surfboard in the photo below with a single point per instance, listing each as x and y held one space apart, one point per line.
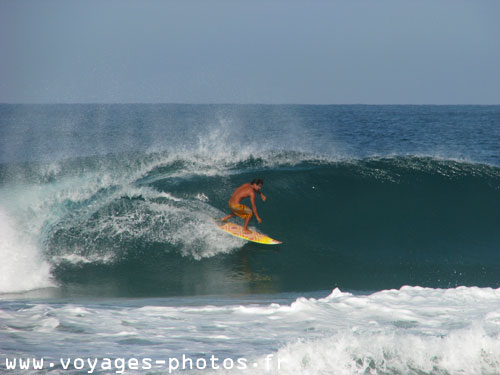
237 230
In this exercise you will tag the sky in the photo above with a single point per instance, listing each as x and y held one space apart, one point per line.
250 51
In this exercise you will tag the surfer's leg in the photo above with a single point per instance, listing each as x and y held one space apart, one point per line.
247 221
228 217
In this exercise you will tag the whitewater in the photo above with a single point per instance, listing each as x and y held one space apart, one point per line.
389 217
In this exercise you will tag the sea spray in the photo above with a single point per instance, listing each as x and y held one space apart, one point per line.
21 265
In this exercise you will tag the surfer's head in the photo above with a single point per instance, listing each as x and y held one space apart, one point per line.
257 183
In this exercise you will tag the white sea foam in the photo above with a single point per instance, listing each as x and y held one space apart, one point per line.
408 331
80 259
467 351
21 265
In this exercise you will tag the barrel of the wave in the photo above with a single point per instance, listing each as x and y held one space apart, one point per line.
237 231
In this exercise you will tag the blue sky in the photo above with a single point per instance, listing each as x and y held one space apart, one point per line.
254 51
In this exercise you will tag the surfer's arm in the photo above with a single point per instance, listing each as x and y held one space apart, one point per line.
262 196
254 208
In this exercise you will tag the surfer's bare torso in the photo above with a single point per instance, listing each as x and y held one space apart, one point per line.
247 190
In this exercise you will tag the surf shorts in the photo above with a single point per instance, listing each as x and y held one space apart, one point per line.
241 210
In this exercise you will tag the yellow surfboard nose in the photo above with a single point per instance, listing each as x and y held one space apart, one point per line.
237 230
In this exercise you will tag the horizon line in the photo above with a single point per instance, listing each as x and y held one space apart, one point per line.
249 104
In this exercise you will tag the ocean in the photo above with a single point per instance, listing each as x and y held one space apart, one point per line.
111 262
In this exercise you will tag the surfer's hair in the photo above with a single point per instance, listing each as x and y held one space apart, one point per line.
257 181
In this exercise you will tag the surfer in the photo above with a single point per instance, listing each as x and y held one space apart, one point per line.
247 190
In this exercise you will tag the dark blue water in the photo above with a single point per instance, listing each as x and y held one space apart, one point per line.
52 132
